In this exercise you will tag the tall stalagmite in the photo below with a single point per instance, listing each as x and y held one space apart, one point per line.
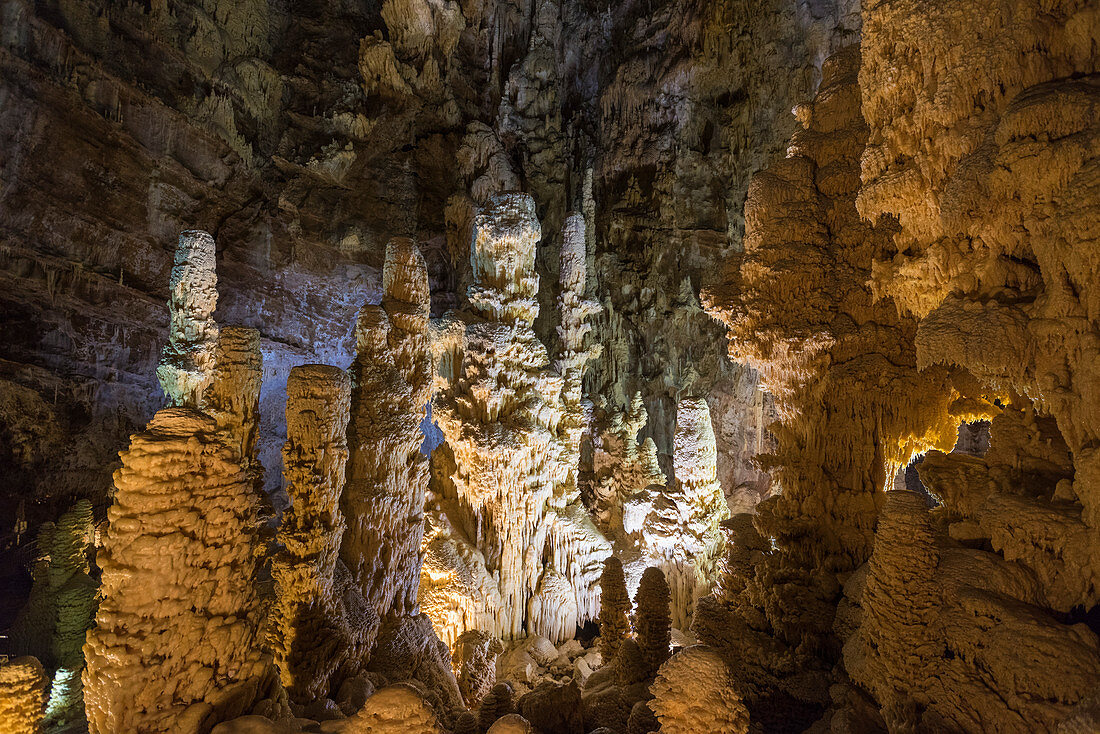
510 544
387 475
233 395
682 534
309 635
178 567
188 361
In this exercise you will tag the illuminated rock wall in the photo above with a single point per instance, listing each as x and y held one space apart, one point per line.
851 402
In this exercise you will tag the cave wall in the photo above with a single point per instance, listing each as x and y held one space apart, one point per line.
269 125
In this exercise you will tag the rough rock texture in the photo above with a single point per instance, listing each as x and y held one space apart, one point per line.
233 397
553 709
310 632
652 622
511 724
407 649
178 568
510 547
474 660
187 362
694 692
396 709
23 684
681 533
614 608
387 474
852 405
497 703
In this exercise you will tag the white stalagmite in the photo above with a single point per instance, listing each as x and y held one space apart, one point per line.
510 548
187 363
175 644
682 534
387 475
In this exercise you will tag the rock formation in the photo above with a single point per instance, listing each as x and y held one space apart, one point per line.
387 475
233 396
178 567
511 548
188 361
843 368
475 664
310 633
681 533
614 608
652 623
694 692
23 684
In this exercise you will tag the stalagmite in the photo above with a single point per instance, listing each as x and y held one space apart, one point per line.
74 599
614 608
233 396
652 624
22 696
852 405
475 664
178 572
682 533
387 475
694 692
310 635
509 501
188 362
396 709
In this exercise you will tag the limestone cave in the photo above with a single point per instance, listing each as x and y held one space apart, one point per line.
549 366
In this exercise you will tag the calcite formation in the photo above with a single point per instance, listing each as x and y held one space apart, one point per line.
474 660
614 608
310 634
188 361
387 474
652 623
511 548
233 395
694 692
682 533
852 405
23 684
178 573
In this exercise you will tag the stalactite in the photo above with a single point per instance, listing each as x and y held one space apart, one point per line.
178 568
387 474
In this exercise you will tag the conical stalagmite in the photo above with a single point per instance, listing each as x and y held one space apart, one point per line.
178 574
